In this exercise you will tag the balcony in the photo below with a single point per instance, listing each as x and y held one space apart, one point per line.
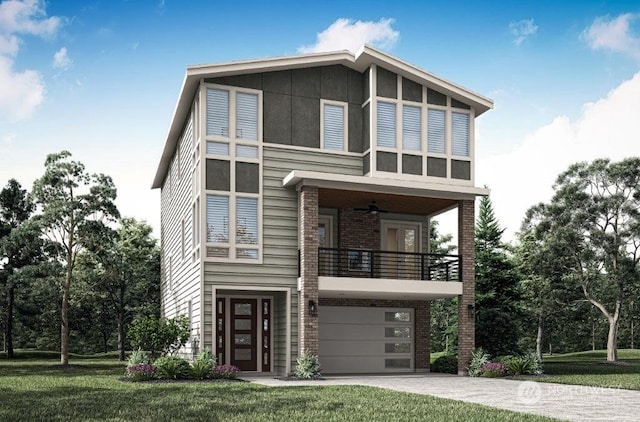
367 273
367 263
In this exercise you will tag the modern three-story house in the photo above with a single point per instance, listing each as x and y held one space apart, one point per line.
296 194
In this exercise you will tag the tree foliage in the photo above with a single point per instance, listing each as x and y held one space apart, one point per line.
497 294
74 205
592 226
159 336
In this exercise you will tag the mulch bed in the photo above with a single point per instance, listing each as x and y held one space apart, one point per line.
181 381
294 378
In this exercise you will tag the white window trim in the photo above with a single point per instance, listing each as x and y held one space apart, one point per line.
231 194
345 120
424 152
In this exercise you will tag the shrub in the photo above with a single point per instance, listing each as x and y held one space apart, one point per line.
479 358
536 364
159 336
494 369
447 364
229 372
519 365
141 372
137 357
172 367
206 355
308 366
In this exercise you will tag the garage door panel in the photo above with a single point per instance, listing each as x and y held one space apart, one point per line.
342 314
351 348
360 340
351 364
350 332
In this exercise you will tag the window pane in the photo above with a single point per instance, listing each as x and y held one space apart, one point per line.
397 363
411 128
404 332
333 127
247 221
397 316
217 112
247 253
397 348
247 116
242 309
246 151
460 134
217 252
242 339
242 324
218 148
217 219
436 131
386 125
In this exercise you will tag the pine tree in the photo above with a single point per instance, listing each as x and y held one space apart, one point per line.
497 296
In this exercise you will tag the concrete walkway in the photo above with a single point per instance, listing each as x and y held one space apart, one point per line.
569 402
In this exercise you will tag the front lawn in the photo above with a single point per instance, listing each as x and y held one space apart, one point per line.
589 368
39 390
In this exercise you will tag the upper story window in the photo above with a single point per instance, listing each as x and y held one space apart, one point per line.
460 134
386 126
334 125
436 132
411 128
233 174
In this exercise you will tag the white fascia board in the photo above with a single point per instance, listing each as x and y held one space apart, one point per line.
299 178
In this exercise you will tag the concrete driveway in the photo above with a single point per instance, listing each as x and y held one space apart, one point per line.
570 402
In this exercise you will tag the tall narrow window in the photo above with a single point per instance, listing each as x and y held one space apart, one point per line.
333 127
217 112
246 116
195 224
460 134
182 240
386 125
247 221
217 219
411 128
436 131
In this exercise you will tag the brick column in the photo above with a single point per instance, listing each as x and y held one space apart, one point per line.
308 214
466 323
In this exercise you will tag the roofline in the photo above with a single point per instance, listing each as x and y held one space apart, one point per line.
360 61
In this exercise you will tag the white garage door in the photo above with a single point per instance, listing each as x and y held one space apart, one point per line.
366 340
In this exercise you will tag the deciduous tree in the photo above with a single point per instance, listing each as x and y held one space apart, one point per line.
73 205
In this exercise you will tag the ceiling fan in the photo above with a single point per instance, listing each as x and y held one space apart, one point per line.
372 209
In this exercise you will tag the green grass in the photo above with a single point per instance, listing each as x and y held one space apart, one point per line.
90 390
588 368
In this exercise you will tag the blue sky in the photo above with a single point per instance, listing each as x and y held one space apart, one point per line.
101 78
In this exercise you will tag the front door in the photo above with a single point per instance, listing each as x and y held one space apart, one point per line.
402 238
244 334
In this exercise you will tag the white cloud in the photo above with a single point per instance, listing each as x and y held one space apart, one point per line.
613 34
524 176
22 91
350 34
61 59
521 30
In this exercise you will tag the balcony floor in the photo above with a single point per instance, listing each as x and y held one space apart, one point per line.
383 288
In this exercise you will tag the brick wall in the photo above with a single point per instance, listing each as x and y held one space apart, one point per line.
357 229
466 323
308 212
422 321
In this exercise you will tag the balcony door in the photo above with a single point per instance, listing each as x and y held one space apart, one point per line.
404 239
325 240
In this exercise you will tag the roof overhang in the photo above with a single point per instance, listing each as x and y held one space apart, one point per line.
360 61
299 178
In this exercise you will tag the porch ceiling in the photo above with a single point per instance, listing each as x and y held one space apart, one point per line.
400 204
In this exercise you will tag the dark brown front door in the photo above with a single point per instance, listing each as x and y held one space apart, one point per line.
244 334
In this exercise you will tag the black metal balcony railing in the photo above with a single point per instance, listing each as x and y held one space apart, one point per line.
366 263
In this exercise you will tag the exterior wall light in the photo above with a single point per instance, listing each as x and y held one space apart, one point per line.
471 310
312 308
